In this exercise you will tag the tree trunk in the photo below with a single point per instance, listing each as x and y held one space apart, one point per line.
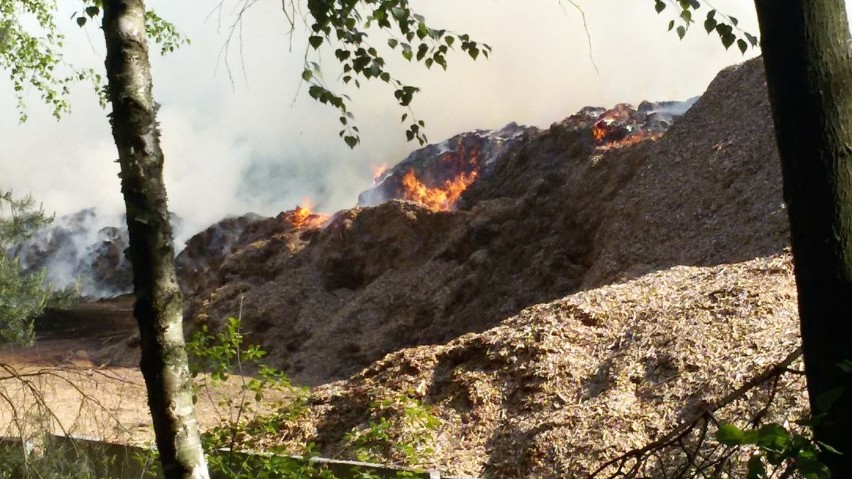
159 303
809 75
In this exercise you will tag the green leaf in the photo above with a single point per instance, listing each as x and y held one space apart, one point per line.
659 6
681 32
422 50
315 41
751 39
756 468
671 25
709 25
81 21
399 14
826 400
92 11
729 435
351 140
774 437
828 448
393 42
307 75
742 45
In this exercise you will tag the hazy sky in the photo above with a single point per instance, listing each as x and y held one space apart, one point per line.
259 143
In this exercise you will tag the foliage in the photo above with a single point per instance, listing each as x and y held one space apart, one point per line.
400 428
162 32
22 297
31 51
49 458
725 26
344 26
33 56
223 358
777 449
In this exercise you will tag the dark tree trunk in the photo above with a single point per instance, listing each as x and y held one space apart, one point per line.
159 304
809 75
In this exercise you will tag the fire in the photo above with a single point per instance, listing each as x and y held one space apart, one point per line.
631 139
378 172
300 216
303 216
617 128
600 129
442 198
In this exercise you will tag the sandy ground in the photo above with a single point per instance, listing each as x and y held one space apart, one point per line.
81 379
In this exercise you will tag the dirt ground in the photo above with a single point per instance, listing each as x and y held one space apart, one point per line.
81 378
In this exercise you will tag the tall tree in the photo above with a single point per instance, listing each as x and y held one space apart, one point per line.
159 303
22 296
806 52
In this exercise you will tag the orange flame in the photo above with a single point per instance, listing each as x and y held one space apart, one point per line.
614 129
630 140
304 216
442 198
378 171
599 131
300 216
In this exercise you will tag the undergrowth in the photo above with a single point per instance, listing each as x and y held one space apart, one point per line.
399 431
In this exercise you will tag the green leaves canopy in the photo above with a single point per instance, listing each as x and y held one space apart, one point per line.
344 24
725 26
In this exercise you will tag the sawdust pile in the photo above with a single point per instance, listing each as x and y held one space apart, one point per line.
563 386
708 193
671 254
555 215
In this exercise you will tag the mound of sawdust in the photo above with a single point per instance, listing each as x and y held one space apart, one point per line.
708 193
555 215
561 387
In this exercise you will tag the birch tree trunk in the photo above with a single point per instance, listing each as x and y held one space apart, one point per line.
809 74
159 303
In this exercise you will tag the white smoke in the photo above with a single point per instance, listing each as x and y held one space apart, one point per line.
250 139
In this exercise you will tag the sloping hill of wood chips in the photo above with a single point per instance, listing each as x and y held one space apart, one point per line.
562 387
693 220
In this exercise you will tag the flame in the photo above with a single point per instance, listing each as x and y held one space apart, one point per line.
378 171
599 130
442 198
300 216
616 129
631 139
303 216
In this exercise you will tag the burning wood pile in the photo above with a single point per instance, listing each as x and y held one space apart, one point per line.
624 125
437 175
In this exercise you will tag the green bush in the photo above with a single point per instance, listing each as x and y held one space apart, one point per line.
22 297
400 428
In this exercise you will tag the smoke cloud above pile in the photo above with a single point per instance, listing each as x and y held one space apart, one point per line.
244 135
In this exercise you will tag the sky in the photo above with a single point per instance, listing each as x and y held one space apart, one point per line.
250 139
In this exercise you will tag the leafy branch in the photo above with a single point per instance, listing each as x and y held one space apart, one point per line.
725 26
343 25
32 56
